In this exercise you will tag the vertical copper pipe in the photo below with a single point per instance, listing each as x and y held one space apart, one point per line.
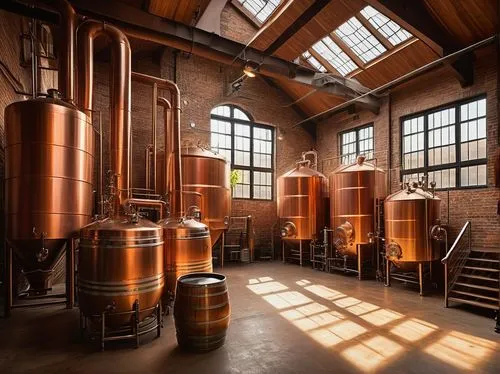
66 49
148 167
177 204
167 126
120 96
153 134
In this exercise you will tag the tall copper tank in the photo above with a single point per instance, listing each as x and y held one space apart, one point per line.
409 216
354 190
206 173
302 199
120 261
188 249
49 156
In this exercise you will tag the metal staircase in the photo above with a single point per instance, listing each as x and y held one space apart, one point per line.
472 277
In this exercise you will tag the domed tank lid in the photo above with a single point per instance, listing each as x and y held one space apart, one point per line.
414 192
121 226
302 171
199 151
359 165
184 227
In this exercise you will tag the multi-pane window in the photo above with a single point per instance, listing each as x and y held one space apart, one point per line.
387 27
332 53
260 9
360 40
448 144
248 147
313 61
356 142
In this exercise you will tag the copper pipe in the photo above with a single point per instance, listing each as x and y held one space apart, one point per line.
148 166
169 144
66 49
148 203
153 134
120 96
175 134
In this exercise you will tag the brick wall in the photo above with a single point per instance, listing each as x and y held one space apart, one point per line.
431 90
234 25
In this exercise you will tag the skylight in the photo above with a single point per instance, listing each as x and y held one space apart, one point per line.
313 61
260 9
360 40
332 53
388 28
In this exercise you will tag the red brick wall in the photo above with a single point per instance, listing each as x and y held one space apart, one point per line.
234 25
431 90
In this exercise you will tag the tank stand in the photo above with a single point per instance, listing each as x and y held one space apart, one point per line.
41 300
133 331
497 326
419 279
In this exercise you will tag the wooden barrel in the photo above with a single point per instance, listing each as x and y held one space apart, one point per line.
201 311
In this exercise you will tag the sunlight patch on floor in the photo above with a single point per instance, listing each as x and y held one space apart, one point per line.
287 299
265 288
413 329
371 353
324 292
461 350
381 317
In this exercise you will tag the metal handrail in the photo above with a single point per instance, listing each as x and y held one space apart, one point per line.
455 259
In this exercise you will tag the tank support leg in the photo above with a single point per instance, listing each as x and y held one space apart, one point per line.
9 277
387 273
159 320
223 241
283 250
497 326
70 273
136 320
421 277
359 262
103 329
300 250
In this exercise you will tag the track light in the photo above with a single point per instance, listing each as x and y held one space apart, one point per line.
251 69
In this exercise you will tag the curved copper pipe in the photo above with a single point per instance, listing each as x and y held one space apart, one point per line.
120 96
169 143
175 134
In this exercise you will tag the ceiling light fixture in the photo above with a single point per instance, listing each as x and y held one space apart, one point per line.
251 69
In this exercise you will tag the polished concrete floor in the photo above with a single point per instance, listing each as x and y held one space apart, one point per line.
285 319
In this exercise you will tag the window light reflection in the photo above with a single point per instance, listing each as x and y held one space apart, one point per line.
287 299
324 292
266 288
368 355
381 317
413 329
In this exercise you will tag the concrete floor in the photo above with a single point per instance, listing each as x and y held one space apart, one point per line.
285 319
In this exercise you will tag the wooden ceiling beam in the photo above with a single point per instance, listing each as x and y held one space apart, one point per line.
348 51
414 17
308 15
381 38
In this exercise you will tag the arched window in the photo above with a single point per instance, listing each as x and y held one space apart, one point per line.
248 146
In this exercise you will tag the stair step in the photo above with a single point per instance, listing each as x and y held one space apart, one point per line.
476 295
484 260
482 269
479 287
473 276
475 303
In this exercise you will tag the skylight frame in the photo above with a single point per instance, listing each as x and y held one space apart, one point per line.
389 29
313 61
360 40
260 10
335 56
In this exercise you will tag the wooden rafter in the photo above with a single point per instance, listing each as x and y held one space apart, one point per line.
348 51
381 38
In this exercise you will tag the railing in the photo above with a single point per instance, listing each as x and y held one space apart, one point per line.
456 258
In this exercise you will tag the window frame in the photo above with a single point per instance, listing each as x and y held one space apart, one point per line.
232 120
357 130
458 164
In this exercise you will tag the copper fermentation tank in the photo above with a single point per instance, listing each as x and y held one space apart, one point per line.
206 173
409 217
48 175
121 256
354 190
120 261
187 249
302 199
